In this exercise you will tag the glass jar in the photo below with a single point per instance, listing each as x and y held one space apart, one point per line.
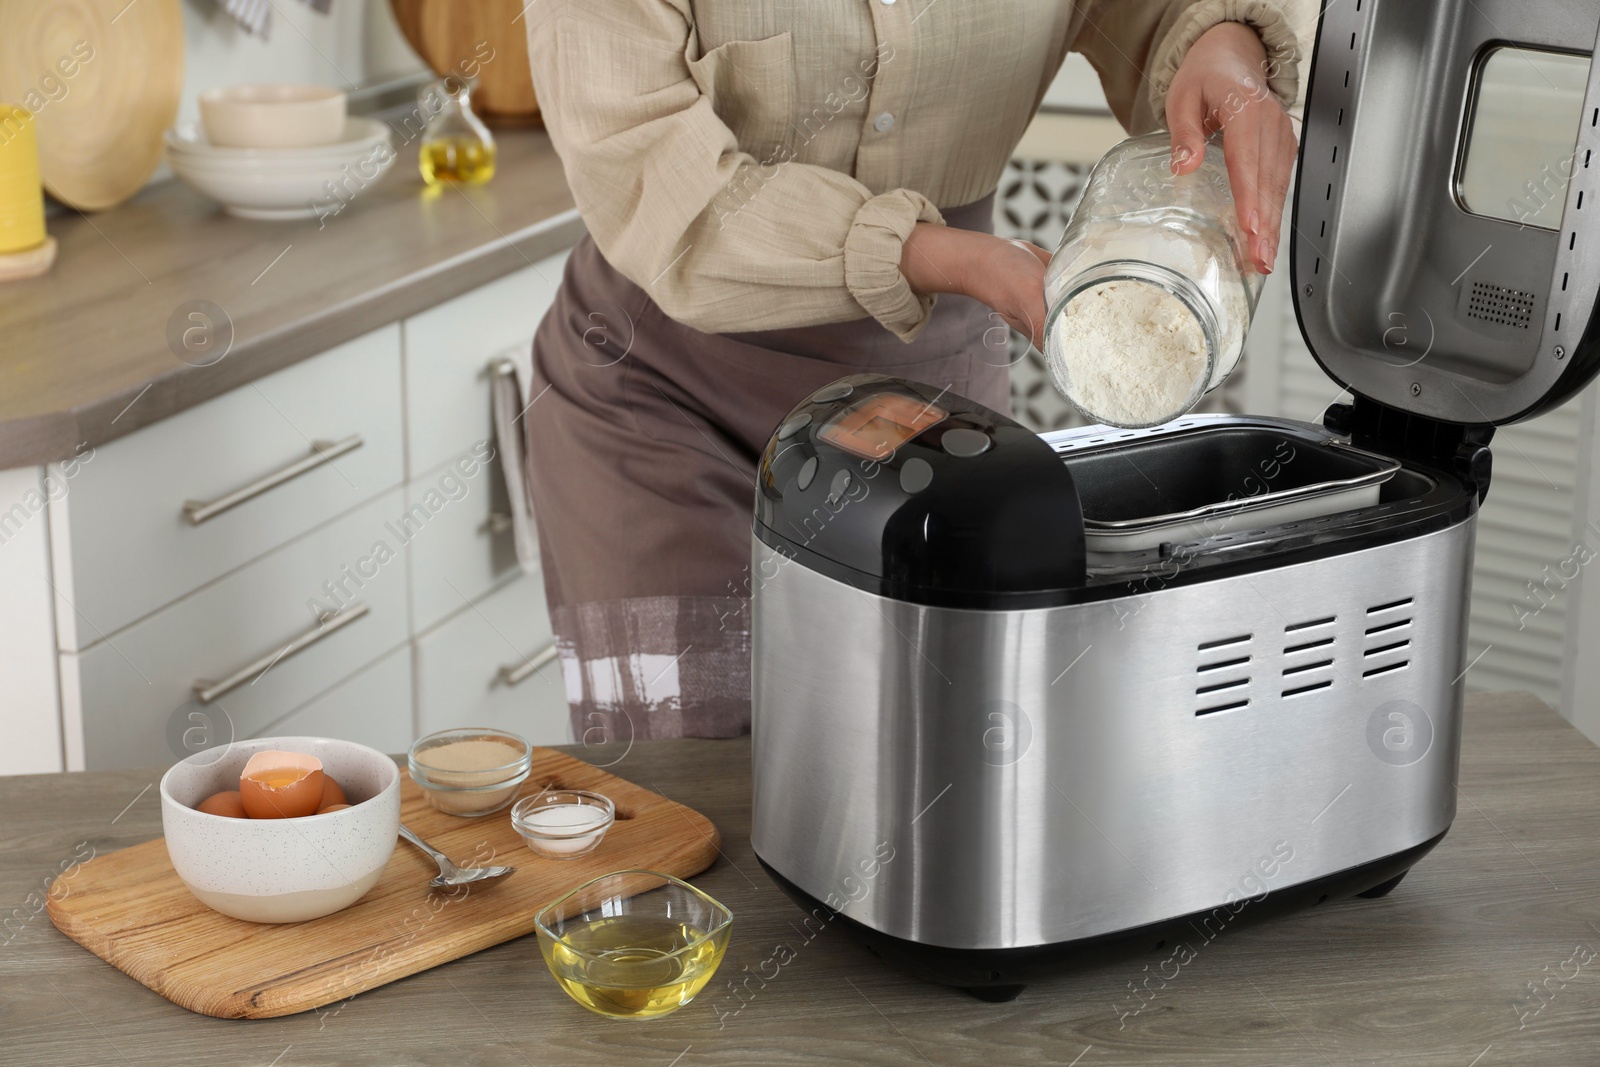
456 145
1149 295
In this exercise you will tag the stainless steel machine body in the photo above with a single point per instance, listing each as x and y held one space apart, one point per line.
1018 699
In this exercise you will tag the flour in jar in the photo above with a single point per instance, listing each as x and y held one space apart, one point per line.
1128 352
1133 354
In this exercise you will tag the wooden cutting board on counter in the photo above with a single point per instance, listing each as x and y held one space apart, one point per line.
130 909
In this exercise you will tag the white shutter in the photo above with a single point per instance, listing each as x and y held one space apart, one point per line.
1525 526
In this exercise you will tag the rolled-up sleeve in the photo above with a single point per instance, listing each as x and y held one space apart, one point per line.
720 240
1136 47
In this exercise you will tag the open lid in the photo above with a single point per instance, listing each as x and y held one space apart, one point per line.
1446 241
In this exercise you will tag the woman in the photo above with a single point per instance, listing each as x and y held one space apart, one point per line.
779 193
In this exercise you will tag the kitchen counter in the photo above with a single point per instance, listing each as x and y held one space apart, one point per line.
84 349
1436 973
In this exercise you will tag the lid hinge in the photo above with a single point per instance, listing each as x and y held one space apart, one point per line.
1389 431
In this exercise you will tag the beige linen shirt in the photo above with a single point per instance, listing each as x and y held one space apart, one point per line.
757 164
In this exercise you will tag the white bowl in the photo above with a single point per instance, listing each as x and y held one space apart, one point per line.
189 139
282 870
272 116
286 184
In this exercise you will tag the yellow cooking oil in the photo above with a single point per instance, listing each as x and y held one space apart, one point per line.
634 967
461 160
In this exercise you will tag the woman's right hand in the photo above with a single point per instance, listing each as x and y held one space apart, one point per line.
1006 275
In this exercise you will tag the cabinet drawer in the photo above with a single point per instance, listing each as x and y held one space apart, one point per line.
457 550
373 707
448 349
123 543
121 695
459 680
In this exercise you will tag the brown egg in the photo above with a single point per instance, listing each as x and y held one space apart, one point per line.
281 785
226 803
331 807
331 793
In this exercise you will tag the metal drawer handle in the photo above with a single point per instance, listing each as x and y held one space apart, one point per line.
198 511
328 622
520 673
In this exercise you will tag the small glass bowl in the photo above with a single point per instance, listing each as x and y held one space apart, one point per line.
469 787
562 824
633 944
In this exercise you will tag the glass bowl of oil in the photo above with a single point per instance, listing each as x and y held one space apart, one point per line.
633 944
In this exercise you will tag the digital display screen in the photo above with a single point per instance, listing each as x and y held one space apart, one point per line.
875 426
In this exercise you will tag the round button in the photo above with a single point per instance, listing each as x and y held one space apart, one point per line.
829 393
965 443
793 426
883 123
841 482
916 475
808 472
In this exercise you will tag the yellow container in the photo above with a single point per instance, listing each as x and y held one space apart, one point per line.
21 196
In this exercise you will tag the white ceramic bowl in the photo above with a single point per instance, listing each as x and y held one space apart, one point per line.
272 116
287 183
282 870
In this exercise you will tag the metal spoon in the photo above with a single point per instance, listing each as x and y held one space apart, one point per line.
449 874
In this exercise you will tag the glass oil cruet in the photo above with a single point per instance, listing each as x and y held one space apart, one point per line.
456 146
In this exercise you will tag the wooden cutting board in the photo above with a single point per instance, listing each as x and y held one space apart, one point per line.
102 78
130 909
452 37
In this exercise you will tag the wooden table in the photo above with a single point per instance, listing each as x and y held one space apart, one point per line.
1433 974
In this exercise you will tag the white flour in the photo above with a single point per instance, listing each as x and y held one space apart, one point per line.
1130 353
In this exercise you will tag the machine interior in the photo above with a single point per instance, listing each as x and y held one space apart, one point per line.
1181 472
1447 251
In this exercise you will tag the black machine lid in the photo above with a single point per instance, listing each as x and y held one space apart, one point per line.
1446 232
919 494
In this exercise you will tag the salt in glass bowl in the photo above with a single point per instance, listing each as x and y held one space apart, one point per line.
563 824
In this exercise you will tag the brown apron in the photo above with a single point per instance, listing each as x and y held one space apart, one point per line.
643 440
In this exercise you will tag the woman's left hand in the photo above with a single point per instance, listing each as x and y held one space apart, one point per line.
1222 85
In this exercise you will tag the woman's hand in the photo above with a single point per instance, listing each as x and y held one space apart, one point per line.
1222 85
1006 275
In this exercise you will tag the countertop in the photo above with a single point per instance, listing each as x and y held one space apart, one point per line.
84 349
1435 973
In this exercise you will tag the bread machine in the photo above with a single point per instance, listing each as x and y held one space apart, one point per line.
1020 700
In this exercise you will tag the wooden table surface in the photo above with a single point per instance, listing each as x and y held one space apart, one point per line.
1436 973
84 350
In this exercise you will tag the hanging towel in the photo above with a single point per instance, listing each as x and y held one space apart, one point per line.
256 15
509 376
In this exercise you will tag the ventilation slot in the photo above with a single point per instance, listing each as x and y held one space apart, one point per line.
1308 646
1387 638
1313 624
1219 685
1224 643
1290 671
1500 305
1304 689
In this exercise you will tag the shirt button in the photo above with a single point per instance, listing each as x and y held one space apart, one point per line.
883 123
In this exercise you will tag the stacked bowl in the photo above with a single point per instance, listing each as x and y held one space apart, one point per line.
279 151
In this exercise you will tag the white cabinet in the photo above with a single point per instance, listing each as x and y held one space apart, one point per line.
448 349
126 544
351 575
468 669
129 687
461 548
373 707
